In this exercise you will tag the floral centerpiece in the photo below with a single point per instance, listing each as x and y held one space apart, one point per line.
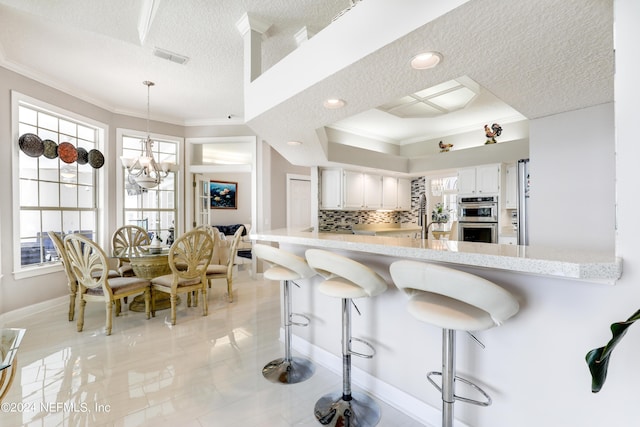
439 214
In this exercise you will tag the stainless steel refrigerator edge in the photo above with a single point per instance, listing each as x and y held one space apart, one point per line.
524 185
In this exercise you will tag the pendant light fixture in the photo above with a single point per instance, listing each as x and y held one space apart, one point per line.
146 172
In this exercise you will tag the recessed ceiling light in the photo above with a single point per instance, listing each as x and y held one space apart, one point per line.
426 60
294 143
334 103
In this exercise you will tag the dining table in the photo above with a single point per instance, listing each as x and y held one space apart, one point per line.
147 262
10 339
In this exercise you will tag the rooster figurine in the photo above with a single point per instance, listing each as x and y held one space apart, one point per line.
444 147
495 130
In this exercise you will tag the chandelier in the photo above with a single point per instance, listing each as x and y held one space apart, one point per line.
146 172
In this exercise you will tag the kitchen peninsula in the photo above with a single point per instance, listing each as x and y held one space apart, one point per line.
589 266
405 349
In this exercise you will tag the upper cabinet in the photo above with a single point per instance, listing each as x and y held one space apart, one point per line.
404 194
331 189
389 192
372 198
362 190
396 193
511 187
352 190
479 180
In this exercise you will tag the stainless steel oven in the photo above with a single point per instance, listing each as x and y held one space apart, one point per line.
484 232
478 219
478 209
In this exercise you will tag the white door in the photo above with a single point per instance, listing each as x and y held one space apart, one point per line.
298 201
201 200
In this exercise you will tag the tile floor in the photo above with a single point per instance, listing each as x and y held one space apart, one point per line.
202 372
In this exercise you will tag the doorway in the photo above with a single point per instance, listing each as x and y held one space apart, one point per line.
298 201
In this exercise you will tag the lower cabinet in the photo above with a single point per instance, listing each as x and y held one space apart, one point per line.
507 240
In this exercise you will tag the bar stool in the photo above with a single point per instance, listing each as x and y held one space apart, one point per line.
346 279
286 267
454 301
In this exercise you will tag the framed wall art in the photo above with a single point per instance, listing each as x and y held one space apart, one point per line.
224 194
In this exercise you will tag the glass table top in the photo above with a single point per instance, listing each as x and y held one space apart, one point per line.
141 252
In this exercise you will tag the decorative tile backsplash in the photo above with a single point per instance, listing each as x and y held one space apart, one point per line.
343 220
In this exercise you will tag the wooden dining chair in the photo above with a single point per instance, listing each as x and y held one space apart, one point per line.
213 232
226 259
72 283
58 244
128 236
89 264
189 257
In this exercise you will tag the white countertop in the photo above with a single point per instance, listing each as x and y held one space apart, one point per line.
587 265
384 229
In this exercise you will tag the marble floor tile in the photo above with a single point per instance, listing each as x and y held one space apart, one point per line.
202 372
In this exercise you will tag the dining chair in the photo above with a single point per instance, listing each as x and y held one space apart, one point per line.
72 283
58 244
213 232
128 236
89 264
224 261
189 257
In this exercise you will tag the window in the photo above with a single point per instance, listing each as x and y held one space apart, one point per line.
443 190
51 194
153 209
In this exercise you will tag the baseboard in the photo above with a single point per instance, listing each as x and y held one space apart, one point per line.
13 317
391 395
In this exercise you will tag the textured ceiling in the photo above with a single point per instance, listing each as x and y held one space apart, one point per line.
541 58
92 49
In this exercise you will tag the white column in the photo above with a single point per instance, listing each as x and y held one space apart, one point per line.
253 32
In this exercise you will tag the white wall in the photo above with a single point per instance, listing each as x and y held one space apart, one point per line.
573 179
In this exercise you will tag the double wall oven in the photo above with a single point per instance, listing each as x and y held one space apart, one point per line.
478 219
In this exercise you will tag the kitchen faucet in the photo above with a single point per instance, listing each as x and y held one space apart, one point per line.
422 217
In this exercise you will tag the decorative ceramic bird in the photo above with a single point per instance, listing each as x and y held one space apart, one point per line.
444 147
491 134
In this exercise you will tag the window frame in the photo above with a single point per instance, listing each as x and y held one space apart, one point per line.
18 99
121 173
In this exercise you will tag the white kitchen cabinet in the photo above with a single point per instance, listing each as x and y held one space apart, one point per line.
479 180
396 193
404 194
353 189
344 189
511 188
389 192
372 191
507 240
331 189
362 190
488 179
467 181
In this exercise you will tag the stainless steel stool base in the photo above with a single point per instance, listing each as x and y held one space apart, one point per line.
293 371
360 411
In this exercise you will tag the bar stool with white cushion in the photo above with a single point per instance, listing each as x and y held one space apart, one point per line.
286 267
346 279
453 301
